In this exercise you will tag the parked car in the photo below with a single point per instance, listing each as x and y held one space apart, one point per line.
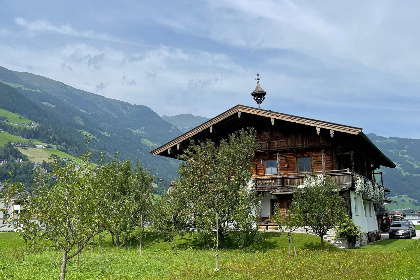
413 228
400 229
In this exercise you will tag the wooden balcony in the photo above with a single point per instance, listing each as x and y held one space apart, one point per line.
288 182
271 145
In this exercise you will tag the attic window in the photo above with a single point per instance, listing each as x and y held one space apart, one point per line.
304 164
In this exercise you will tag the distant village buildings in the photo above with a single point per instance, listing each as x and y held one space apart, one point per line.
9 210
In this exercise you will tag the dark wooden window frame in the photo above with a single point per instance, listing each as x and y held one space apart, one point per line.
306 165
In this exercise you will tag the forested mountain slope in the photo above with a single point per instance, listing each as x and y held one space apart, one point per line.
185 122
115 126
405 153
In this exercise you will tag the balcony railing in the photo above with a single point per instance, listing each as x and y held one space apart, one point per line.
287 182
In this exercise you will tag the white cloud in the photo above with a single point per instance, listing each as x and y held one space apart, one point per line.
346 61
65 29
165 79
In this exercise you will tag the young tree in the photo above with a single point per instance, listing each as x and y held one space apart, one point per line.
169 216
288 223
126 199
318 205
216 179
72 204
62 210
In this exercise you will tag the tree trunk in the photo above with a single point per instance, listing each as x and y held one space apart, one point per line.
78 255
117 240
63 266
112 238
322 242
293 242
222 238
173 242
141 233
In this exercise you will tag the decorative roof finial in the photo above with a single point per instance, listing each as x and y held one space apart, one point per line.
258 93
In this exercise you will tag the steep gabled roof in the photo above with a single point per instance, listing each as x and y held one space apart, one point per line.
231 117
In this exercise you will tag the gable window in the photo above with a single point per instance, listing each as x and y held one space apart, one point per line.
304 164
270 167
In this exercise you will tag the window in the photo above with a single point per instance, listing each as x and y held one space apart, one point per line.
356 210
304 164
270 167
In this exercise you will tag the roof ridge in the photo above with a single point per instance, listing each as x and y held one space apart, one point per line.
258 112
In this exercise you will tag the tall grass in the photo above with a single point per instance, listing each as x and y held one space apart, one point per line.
269 259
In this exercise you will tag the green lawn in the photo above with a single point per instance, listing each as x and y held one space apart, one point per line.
388 259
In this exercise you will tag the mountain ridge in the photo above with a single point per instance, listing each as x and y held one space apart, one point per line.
134 130
185 122
115 126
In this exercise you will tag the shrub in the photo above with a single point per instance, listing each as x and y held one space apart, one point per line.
347 229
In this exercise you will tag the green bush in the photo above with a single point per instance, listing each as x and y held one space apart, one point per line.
347 229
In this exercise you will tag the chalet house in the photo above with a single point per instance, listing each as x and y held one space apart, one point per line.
291 148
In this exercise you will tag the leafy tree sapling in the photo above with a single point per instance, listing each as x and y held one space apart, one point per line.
318 205
62 210
216 179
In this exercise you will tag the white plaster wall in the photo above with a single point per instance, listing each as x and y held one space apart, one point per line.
9 208
371 222
358 210
363 213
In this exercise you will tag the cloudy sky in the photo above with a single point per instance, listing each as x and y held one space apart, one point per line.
350 62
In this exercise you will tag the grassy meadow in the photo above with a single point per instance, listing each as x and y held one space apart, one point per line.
14 118
402 202
6 137
387 259
39 155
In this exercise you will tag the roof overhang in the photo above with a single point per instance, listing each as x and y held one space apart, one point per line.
242 116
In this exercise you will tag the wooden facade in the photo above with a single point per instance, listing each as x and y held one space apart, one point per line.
290 148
